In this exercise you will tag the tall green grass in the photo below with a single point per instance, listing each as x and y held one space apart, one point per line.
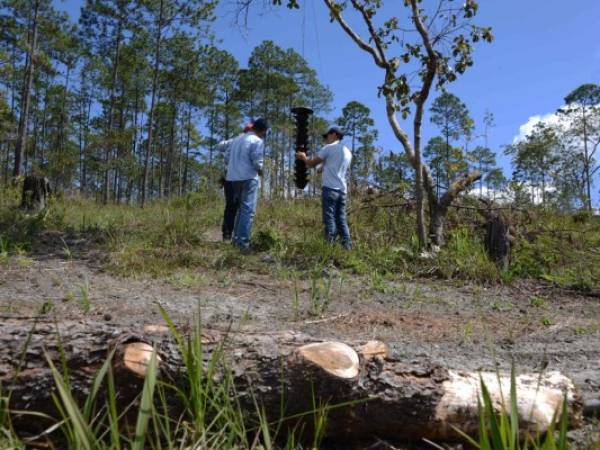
170 234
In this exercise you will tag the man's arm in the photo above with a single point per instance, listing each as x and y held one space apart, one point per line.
256 157
309 162
225 147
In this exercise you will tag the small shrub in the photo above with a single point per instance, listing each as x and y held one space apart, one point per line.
268 240
465 257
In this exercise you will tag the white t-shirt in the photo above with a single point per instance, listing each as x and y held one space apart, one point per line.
336 162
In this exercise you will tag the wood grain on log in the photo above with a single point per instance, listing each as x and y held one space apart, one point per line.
386 397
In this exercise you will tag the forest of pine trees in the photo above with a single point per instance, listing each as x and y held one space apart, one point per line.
128 104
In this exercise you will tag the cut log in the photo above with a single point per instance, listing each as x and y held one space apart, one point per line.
335 358
386 397
36 191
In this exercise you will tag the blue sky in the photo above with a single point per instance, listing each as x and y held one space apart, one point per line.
543 49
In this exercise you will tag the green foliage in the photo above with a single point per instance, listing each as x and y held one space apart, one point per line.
320 294
559 249
18 228
8 439
176 238
358 126
451 116
536 159
464 256
269 240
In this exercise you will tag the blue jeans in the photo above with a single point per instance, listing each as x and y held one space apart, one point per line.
245 194
334 216
232 204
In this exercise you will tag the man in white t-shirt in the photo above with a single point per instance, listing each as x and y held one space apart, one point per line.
336 159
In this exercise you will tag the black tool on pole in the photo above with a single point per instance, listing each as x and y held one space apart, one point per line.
301 115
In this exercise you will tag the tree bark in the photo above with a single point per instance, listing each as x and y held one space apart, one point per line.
36 191
286 373
109 122
152 113
439 208
26 97
497 241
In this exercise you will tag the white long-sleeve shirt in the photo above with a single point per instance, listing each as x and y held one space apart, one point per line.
244 157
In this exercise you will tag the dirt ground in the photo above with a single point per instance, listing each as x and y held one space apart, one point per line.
458 324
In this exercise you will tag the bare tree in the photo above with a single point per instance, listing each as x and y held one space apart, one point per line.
433 47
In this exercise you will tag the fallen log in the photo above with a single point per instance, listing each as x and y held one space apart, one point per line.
386 397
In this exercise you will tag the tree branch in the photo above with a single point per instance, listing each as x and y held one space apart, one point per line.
353 35
457 187
372 32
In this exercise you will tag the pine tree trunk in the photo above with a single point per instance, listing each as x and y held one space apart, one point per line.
187 150
109 125
26 96
152 113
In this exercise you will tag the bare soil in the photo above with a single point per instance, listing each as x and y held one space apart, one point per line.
461 325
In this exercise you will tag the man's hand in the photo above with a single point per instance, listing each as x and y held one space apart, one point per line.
301 156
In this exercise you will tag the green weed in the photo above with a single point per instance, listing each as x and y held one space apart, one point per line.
84 296
320 294
537 302
187 279
465 257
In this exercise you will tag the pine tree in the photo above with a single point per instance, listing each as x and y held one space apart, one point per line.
358 125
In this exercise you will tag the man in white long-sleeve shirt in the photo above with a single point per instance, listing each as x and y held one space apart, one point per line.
232 203
244 166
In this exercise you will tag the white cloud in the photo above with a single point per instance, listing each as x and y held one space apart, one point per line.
500 196
527 127
506 196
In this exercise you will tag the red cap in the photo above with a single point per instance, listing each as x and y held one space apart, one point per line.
248 127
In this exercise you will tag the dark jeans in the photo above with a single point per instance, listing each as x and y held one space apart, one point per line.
245 193
334 216
232 204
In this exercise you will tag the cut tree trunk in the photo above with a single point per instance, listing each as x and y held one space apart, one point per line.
286 373
497 241
36 191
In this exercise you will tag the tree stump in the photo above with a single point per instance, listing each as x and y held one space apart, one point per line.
36 191
497 241
285 373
